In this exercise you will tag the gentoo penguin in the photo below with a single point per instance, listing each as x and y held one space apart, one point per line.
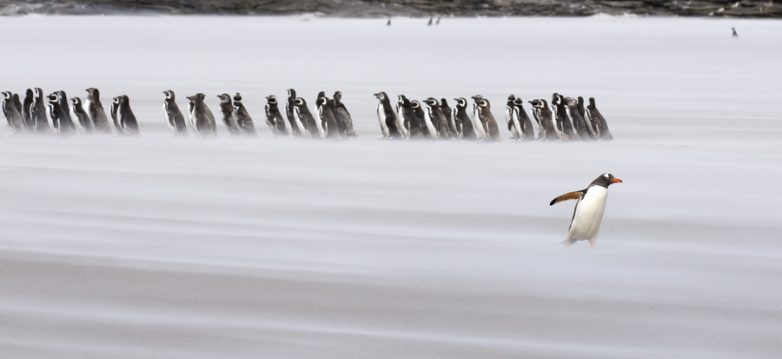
343 116
564 125
273 116
598 121
528 128
227 109
201 118
448 112
544 115
589 209
387 116
582 130
81 115
462 121
486 119
95 111
297 129
243 119
514 126
175 118
27 108
60 115
125 116
303 115
426 128
38 111
437 118
407 117
328 120
12 113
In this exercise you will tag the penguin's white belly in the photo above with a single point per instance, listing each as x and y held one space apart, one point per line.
588 214
381 116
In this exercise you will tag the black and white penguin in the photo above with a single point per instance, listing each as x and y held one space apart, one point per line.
448 112
227 109
303 115
18 104
514 126
328 121
297 129
273 116
543 114
243 119
175 118
27 108
81 115
588 214
528 128
581 107
426 127
95 110
12 113
564 125
462 121
437 118
125 117
598 121
343 116
431 19
38 111
486 119
60 115
201 118
734 33
407 117
582 130
387 116
114 111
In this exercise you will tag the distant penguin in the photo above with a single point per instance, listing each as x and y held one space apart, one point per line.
39 111
305 117
95 110
598 121
438 119
431 19
243 119
388 23
407 117
528 128
201 118
565 127
12 113
174 117
227 109
343 116
464 125
273 116
81 115
126 117
387 117
448 112
580 127
590 206
27 110
60 115
485 117
734 33
297 129
542 114
426 127
327 118
437 22
514 126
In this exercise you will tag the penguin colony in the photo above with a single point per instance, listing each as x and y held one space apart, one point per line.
566 120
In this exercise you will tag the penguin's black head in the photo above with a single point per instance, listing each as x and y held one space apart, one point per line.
605 180
402 99
92 91
381 95
76 101
482 102
199 97
415 104
54 97
169 94
580 100
443 102
322 101
38 92
291 93
569 101
7 95
237 97
321 94
116 100
592 101
124 99
224 98
337 95
461 101
299 102
29 93
518 101
431 101
511 98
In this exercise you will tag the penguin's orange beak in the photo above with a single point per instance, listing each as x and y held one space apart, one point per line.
616 180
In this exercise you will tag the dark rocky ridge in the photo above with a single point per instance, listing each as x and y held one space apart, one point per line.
377 8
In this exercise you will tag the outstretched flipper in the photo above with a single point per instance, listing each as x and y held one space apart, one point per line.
568 196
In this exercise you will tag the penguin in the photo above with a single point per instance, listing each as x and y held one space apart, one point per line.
125 116
273 116
343 116
406 116
598 121
388 23
486 119
448 112
437 118
38 111
27 108
95 110
81 115
60 115
564 125
476 122
114 110
328 120
581 108
297 129
227 109
464 125
542 114
590 206
387 116
582 130
734 33
243 119
431 19
175 118
12 113
437 22
426 127
303 115
18 105
528 128
510 116
201 118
